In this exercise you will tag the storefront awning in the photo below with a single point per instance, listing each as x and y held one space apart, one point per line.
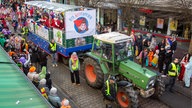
107 5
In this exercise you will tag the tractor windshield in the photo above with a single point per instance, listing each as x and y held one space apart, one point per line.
120 51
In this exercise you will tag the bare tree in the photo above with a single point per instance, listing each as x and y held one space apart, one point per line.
90 3
130 9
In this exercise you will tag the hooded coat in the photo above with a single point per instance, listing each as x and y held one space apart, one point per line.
42 73
53 98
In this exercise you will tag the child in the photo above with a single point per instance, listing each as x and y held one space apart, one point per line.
130 50
155 58
149 57
65 104
142 56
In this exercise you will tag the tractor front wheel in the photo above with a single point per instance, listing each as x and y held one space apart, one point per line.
93 73
127 97
159 87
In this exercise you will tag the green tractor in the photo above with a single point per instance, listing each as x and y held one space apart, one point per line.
109 57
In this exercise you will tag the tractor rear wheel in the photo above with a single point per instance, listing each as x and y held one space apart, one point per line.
93 73
127 97
159 87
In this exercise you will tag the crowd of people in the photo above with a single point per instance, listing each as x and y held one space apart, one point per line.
33 61
28 56
160 55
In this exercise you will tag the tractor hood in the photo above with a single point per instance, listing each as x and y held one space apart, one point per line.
141 77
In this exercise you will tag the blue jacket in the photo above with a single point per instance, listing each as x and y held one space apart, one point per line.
54 100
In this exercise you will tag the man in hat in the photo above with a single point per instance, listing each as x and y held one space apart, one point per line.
110 88
74 68
173 73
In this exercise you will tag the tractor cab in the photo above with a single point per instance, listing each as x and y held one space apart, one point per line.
111 49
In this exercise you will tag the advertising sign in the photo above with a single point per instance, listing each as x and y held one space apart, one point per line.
142 20
42 31
160 23
173 24
80 24
57 36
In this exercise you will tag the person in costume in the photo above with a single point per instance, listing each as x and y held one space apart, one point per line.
42 86
42 73
155 59
183 63
188 73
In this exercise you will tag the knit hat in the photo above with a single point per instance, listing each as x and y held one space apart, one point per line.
65 102
53 91
32 69
112 78
36 77
74 56
43 81
78 22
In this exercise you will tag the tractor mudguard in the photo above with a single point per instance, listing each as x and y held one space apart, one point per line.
124 84
103 65
93 57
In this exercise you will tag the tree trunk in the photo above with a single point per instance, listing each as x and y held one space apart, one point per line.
129 28
190 46
76 2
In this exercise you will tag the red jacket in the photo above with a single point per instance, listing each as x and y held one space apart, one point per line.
47 23
52 22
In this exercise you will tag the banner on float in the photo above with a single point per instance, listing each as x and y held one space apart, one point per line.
58 36
80 23
42 31
173 24
142 20
160 23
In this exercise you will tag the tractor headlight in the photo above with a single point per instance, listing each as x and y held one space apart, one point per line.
151 83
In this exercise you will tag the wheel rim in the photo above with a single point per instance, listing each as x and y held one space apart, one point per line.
90 74
123 99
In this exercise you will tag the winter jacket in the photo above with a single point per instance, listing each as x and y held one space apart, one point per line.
48 81
54 100
42 73
168 57
174 46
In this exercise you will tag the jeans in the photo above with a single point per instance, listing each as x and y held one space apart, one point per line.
54 58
